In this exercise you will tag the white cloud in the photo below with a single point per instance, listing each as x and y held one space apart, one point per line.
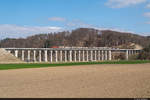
123 30
148 5
147 14
123 3
59 19
114 29
14 31
77 24
147 22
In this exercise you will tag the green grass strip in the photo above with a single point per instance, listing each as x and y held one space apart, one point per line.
40 65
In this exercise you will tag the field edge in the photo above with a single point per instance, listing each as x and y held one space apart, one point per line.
40 65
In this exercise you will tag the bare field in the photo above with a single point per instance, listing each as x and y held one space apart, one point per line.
88 81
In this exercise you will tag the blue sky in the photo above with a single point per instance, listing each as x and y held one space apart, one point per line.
21 18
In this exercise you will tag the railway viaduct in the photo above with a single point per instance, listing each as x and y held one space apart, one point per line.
68 54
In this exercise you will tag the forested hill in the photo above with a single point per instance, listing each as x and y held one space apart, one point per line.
85 37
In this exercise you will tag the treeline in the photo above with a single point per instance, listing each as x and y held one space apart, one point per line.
85 37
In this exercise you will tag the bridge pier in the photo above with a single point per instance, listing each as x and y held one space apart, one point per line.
34 55
61 59
22 53
65 56
102 55
98 55
40 56
16 53
45 55
51 56
106 55
75 55
87 55
110 55
79 56
83 58
56 59
70 56
127 54
91 55
95 55
28 55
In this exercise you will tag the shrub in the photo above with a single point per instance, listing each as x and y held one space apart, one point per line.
133 57
145 54
118 56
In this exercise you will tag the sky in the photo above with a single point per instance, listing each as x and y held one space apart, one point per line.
22 18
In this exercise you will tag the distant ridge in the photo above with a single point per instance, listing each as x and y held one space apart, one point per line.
81 37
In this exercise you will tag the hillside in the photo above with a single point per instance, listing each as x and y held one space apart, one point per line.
85 37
